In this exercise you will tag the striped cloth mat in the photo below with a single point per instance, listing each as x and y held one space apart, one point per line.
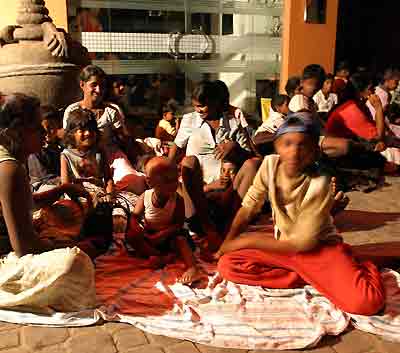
225 314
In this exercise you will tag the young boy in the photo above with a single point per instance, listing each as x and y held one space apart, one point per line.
311 80
167 127
164 214
44 167
306 248
325 98
280 109
264 134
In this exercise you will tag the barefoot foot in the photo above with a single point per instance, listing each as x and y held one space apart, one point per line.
192 274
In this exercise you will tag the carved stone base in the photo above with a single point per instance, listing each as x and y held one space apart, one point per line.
29 68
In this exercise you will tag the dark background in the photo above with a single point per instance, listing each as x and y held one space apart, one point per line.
368 33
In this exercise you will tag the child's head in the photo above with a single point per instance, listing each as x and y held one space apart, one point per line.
162 175
328 84
168 111
118 87
206 100
312 79
343 70
293 86
81 131
21 132
296 142
51 123
361 86
391 78
280 104
93 83
228 171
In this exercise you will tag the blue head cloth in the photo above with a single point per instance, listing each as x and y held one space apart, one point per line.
302 122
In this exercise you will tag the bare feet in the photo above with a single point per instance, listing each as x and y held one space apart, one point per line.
192 274
340 199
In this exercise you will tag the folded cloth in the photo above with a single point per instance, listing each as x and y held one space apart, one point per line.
62 280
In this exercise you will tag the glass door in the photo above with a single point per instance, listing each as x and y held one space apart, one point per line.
161 49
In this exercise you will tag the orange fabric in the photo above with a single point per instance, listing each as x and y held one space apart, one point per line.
353 287
348 121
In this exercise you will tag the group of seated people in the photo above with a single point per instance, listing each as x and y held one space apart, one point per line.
212 181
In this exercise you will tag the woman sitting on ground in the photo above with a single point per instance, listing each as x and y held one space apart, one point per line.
61 279
93 86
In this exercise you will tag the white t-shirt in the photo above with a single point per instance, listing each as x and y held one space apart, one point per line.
195 134
110 118
272 123
325 104
300 102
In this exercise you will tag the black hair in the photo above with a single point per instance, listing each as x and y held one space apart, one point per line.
206 92
168 107
314 71
90 71
358 82
343 65
51 113
291 85
80 119
361 81
329 77
278 100
16 112
390 73
223 91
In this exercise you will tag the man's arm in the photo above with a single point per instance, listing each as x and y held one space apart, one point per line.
263 137
174 152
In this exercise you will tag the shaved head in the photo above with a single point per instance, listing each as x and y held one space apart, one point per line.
158 168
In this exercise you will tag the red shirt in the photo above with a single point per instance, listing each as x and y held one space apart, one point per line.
349 120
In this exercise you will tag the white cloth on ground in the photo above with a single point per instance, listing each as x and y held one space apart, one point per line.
62 280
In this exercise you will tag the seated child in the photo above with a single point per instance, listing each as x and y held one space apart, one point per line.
264 134
168 126
164 215
223 200
280 109
293 86
310 82
306 243
125 177
44 167
325 98
137 151
82 161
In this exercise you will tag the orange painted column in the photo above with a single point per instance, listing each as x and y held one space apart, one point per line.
307 43
57 9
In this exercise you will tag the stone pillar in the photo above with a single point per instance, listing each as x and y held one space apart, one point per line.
57 9
37 58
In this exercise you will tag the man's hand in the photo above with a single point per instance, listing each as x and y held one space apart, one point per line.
380 146
223 149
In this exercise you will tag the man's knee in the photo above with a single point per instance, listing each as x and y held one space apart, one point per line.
366 305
